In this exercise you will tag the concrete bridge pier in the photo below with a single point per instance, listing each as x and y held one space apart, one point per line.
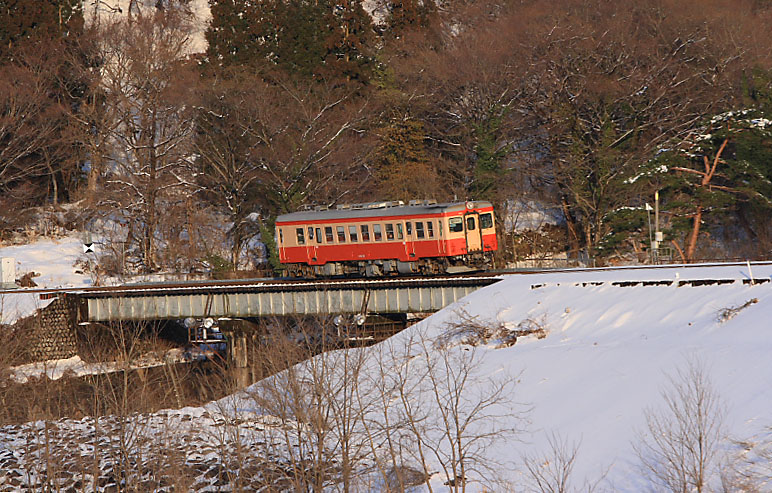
238 334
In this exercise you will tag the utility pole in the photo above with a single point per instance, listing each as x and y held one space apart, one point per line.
651 235
657 233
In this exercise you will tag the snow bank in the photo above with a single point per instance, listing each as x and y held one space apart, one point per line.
613 339
54 260
610 348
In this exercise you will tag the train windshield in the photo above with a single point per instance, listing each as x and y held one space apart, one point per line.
486 220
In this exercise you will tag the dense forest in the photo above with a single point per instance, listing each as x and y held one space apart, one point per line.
182 159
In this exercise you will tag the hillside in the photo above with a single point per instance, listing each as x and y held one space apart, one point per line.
615 341
610 350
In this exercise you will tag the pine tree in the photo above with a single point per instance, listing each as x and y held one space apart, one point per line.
242 32
302 30
490 156
409 14
349 42
402 161
315 39
23 21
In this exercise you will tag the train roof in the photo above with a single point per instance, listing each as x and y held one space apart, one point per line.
380 209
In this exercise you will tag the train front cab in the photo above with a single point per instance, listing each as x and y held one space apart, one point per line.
472 235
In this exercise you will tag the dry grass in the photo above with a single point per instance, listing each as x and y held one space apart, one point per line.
473 331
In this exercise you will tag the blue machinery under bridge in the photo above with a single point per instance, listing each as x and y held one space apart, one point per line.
265 298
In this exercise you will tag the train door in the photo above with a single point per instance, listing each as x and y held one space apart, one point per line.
311 245
472 232
408 240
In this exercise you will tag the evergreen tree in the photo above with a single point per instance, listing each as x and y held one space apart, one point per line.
409 14
348 42
722 173
301 38
23 21
403 166
490 155
242 32
322 39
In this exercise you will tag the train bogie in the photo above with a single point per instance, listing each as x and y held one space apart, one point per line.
387 238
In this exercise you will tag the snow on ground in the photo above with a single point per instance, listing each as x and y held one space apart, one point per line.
54 260
608 353
76 367
613 339
610 349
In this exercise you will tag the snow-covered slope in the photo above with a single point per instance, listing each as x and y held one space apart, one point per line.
611 348
53 262
613 340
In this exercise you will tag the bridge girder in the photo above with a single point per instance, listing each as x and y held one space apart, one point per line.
344 298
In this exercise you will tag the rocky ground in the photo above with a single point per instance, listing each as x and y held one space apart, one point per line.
186 450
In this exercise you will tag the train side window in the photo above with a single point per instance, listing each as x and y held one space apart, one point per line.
301 236
389 231
318 235
430 229
419 229
328 234
400 235
310 234
486 220
470 225
281 236
352 233
439 228
377 236
365 232
409 228
456 224
341 234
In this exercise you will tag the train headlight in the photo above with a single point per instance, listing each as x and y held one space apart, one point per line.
359 319
338 320
208 323
189 322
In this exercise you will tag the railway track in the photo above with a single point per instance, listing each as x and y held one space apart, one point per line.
286 284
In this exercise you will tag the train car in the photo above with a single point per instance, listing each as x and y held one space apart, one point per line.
387 238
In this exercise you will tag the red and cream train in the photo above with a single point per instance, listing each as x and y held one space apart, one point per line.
387 238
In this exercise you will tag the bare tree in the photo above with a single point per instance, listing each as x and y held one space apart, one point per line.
749 468
304 141
29 120
320 405
679 447
148 88
553 471
443 412
229 174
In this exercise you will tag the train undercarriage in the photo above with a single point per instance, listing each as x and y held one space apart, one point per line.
393 267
